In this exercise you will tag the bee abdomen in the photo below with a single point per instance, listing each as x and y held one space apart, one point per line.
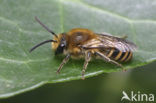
120 56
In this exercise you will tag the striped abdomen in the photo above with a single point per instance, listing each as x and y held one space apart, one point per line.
118 55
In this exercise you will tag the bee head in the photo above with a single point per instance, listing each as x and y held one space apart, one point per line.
60 45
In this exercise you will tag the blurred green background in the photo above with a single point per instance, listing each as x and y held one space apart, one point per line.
105 88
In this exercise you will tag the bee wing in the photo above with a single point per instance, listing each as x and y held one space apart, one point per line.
108 41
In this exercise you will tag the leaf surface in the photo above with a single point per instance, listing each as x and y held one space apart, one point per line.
21 71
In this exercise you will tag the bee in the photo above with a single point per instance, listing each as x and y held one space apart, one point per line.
84 43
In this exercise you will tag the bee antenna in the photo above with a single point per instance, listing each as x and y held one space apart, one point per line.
44 26
47 41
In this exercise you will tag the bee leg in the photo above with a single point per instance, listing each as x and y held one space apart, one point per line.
87 59
109 60
65 60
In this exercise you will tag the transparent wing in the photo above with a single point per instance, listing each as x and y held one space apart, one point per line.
108 41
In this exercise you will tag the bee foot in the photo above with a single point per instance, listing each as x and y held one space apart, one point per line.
58 72
124 70
83 78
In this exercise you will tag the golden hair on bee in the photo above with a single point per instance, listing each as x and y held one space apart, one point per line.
84 43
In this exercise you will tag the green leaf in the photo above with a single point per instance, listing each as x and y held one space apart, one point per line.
21 71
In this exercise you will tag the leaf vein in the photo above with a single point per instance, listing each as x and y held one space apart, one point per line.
22 62
61 15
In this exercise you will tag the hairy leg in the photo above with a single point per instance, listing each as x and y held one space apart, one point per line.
109 60
87 59
65 60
